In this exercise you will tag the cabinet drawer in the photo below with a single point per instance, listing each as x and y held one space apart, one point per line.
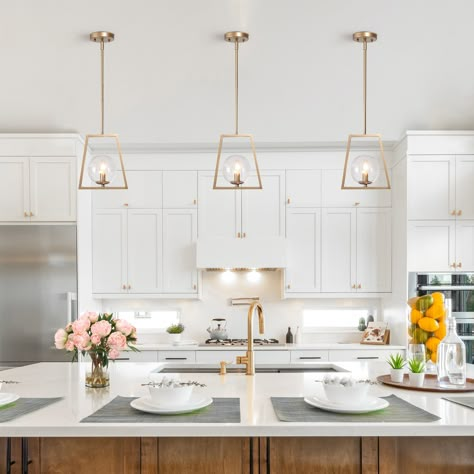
145 356
214 357
345 355
177 356
272 357
309 356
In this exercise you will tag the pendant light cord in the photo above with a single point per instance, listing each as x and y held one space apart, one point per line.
365 87
102 51
236 50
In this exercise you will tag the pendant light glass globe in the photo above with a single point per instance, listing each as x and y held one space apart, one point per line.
236 169
365 169
102 170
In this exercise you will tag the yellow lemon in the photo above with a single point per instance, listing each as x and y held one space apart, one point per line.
415 316
412 301
420 336
436 311
428 324
424 302
434 357
438 298
432 344
441 332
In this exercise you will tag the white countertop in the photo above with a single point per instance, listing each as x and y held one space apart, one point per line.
283 347
257 415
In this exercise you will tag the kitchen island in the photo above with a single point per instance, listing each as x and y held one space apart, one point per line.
55 441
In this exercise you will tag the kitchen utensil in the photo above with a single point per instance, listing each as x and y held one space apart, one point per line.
217 329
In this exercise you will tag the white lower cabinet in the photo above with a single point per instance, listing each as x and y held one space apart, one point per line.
261 356
143 356
309 356
361 354
272 357
177 357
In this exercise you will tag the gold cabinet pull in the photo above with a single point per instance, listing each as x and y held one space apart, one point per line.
194 287
353 287
453 213
244 235
31 214
459 212
288 286
238 235
195 201
459 265
356 203
25 213
288 201
125 204
124 287
129 287
453 265
359 286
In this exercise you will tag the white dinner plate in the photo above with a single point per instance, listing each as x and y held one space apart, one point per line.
195 403
369 405
7 398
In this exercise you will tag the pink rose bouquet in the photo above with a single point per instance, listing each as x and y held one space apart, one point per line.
99 334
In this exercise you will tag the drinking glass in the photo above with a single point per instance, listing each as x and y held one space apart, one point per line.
417 351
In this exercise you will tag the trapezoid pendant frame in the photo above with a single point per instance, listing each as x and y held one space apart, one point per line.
102 169
365 167
236 168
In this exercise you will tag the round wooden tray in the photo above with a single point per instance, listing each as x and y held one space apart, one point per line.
429 385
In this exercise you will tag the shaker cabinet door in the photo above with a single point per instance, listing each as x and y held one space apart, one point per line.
109 251
303 233
180 189
338 250
431 184
145 258
14 189
464 187
465 246
303 188
179 251
53 189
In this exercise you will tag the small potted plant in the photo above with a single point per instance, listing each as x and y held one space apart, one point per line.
397 363
175 331
417 372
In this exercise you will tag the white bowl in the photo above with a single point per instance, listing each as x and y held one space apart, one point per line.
346 395
171 396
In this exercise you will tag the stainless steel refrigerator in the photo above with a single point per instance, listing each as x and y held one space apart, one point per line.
38 291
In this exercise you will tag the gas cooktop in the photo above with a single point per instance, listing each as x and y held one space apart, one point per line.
241 342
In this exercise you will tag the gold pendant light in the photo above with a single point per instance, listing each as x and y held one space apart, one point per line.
236 168
365 168
103 169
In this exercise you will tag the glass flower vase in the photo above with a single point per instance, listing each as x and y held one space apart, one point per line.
98 376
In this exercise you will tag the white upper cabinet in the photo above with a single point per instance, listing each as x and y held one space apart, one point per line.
180 189
303 231
179 251
303 188
219 215
109 251
465 246
38 189
338 251
465 187
52 189
14 189
144 191
144 250
431 246
431 187
374 250
334 196
263 210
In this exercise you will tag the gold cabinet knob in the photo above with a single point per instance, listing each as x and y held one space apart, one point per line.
129 287
356 203
238 235
195 201
288 286
288 201
25 213
359 286
244 235
353 287
453 213
31 214
459 212
459 265
125 204
124 287
194 287
453 265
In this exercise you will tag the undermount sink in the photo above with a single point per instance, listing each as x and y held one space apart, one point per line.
262 369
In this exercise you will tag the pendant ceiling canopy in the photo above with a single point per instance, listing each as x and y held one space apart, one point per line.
103 170
236 169
368 169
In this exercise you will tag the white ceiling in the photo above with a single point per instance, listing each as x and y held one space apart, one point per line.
170 76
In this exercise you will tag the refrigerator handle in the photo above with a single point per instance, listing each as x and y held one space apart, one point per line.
70 297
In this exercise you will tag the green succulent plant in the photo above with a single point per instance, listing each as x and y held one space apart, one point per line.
396 361
175 329
416 366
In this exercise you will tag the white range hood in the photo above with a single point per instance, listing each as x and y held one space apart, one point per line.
250 253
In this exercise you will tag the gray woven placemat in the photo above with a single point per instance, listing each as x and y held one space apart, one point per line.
465 401
222 410
399 411
23 406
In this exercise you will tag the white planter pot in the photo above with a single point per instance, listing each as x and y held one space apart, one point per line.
416 379
175 337
396 375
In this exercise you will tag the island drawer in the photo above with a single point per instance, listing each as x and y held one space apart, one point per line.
360 355
261 357
177 356
143 356
309 356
